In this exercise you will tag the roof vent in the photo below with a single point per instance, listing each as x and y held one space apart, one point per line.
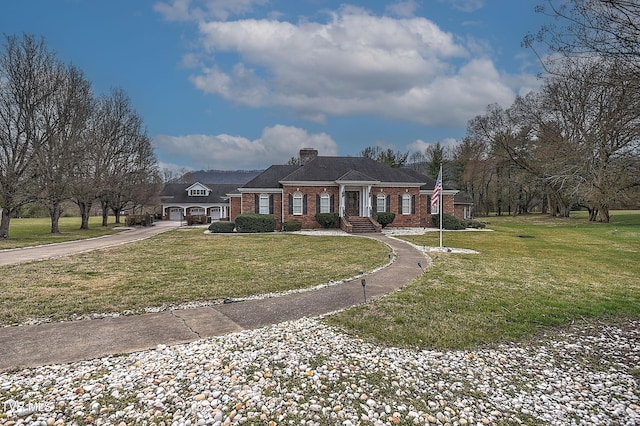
307 154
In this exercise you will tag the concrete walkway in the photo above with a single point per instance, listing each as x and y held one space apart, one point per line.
60 342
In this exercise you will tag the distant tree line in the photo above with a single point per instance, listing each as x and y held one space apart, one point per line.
60 142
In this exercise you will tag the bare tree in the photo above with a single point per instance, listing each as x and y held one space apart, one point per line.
579 138
598 111
478 172
591 28
29 76
128 159
65 118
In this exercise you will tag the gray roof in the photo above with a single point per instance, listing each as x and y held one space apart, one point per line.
271 177
461 198
177 193
334 168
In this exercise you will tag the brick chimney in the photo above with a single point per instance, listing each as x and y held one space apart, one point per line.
307 154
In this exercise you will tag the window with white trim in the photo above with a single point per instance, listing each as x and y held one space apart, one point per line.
325 203
196 211
297 203
197 192
264 204
434 209
381 202
406 203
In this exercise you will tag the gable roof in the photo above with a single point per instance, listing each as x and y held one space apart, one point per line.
178 193
271 177
355 176
198 185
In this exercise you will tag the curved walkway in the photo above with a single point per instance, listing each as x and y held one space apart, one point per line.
48 251
60 342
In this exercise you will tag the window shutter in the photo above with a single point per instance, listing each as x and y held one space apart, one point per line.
304 204
387 208
332 206
413 204
290 204
428 204
271 204
400 204
374 203
257 198
317 203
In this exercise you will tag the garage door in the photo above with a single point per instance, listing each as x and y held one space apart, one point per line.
175 214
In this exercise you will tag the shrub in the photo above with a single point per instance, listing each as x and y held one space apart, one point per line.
327 220
475 224
448 222
222 227
139 220
384 218
197 219
255 223
292 225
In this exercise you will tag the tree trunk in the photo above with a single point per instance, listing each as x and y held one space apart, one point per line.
55 211
117 213
85 212
105 212
4 223
604 214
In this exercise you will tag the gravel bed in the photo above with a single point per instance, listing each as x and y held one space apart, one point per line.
304 372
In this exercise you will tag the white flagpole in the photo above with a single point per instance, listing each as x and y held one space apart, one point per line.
440 206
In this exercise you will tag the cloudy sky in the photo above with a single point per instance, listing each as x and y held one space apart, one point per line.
243 84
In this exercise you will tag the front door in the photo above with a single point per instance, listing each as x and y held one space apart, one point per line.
352 203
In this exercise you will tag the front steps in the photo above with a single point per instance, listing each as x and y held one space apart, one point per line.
363 225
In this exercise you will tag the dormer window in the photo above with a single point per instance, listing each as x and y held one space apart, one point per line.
198 190
198 193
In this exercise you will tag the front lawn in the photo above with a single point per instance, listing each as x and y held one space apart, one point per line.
180 266
532 272
37 231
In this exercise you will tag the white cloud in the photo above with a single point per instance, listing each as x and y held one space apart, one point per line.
420 146
177 10
197 10
276 145
355 63
466 5
403 8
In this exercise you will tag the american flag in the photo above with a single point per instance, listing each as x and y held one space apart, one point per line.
435 198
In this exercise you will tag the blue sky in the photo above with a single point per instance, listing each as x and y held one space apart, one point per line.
243 84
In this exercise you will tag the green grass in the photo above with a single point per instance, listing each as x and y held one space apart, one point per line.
33 232
532 272
179 266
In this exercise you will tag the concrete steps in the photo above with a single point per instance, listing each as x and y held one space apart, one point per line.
361 225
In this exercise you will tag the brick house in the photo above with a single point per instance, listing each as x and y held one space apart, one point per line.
354 187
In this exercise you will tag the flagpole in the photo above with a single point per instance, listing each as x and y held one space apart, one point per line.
440 206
